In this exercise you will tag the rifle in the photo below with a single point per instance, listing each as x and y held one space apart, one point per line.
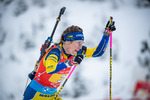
46 44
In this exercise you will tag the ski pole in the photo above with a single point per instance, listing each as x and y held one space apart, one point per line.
83 52
110 97
110 22
65 82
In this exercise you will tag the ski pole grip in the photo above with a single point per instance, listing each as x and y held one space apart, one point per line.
111 20
84 48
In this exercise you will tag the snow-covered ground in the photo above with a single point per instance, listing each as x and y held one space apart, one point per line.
22 34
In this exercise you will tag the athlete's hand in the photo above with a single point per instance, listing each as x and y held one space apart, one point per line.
112 27
109 28
77 59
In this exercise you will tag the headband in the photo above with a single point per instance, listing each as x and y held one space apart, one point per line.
74 36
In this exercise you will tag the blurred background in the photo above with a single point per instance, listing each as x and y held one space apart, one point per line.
26 24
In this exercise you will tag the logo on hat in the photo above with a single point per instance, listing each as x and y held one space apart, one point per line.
79 35
70 36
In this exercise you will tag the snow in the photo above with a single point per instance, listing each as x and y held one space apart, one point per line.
17 58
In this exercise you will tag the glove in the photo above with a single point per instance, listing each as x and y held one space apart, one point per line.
109 29
78 59
112 27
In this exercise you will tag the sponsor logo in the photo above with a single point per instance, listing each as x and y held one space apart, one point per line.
46 95
49 66
79 35
104 49
70 36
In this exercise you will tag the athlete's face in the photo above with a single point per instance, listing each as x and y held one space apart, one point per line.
74 46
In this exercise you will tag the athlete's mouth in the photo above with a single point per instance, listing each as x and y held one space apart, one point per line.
76 50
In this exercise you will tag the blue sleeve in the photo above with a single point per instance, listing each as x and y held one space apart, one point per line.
101 47
60 66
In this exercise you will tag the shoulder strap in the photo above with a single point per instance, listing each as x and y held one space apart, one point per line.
57 46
